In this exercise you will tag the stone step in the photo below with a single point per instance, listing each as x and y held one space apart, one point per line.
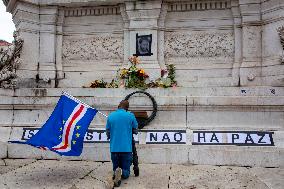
178 91
189 109
106 101
170 154
264 156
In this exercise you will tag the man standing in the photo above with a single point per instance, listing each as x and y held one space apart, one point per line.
120 124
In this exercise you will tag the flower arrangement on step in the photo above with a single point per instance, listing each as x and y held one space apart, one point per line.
134 77
167 77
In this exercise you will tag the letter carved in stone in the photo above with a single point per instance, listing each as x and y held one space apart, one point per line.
193 45
95 48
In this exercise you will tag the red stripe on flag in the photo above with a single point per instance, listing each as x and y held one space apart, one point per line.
76 115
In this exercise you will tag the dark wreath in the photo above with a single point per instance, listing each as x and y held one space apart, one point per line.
142 121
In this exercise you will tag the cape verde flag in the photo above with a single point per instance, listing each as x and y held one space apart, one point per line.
65 129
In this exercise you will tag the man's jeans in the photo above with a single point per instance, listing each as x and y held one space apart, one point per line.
122 160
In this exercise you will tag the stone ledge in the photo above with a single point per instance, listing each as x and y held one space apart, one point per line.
178 154
4 133
18 162
106 103
23 151
238 156
178 91
3 150
2 162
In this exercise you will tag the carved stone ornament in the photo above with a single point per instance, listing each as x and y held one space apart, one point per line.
251 77
281 35
199 45
9 62
95 48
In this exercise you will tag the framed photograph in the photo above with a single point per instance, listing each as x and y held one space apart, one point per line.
143 45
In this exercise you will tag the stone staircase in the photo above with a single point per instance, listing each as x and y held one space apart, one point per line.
226 109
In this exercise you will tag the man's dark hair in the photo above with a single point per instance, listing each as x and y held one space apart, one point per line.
143 39
124 104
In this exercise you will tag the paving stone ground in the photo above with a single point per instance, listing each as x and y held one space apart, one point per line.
55 174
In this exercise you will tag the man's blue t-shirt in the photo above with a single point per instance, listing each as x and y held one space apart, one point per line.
120 124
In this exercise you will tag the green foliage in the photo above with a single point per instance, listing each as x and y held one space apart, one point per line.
167 82
172 74
99 84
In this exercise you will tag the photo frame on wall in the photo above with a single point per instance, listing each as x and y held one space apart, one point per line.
143 45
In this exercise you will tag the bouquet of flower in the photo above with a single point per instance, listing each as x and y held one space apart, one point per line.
98 84
134 77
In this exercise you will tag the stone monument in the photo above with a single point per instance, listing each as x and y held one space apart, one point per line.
228 107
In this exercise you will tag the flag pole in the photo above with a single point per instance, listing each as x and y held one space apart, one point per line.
102 114
70 96
65 93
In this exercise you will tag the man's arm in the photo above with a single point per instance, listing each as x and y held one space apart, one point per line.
134 126
108 129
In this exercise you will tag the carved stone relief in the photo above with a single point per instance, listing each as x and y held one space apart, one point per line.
199 6
281 35
251 39
95 48
193 45
9 62
91 11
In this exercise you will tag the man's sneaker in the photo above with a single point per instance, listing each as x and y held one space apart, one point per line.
109 180
117 177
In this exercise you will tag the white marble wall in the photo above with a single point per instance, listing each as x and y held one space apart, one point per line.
212 43
189 109
272 70
92 45
227 55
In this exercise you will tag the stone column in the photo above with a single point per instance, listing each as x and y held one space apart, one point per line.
250 71
37 25
48 41
142 18
161 36
59 41
26 20
238 42
125 34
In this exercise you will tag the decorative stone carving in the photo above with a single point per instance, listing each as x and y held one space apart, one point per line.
91 11
95 48
281 35
192 45
9 62
199 6
251 77
251 40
